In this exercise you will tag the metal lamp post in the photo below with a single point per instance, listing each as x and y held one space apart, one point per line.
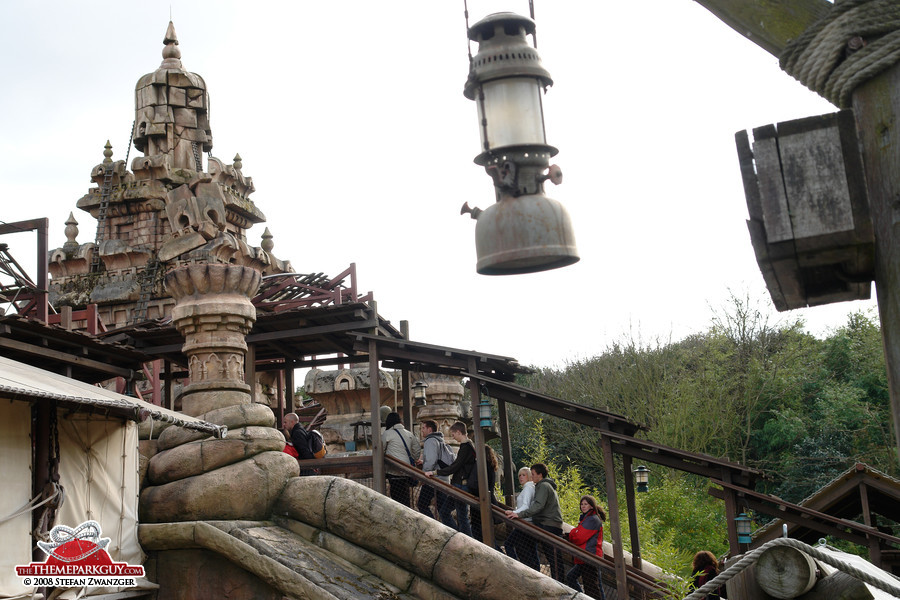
524 231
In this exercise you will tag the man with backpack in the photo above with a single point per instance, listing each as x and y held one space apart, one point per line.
436 454
462 471
306 443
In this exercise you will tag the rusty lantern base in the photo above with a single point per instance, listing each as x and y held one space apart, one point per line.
527 234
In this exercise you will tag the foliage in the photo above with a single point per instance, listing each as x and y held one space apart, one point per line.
766 395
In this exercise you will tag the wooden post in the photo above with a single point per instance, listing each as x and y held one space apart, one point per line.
874 543
615 529
509 469
65 317
375 403
43 281
876 105
484 494
279 394
169 386
156 383
288 386
734 548
407 399
631 508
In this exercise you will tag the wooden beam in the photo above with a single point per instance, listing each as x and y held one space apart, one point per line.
876 105
615 530
308 332
509 469
770 24
631 508
874 545
374 405
404 375
484 494
66 357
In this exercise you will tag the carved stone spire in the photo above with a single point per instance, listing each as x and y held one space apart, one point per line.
171 54
267 243
71 233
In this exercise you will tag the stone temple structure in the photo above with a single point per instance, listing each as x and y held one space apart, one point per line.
169 209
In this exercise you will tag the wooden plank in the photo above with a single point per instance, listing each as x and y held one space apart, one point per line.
776 214
378 482
812 166
631 509
769 24
66 357
484 494
615 530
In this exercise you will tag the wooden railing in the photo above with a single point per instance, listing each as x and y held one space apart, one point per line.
359 468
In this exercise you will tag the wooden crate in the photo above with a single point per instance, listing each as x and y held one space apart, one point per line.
809 213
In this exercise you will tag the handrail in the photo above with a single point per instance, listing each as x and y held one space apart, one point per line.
640 581
639 578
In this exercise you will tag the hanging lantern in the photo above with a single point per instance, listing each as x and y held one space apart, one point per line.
419 397
742 522
642 478
485 418
524 231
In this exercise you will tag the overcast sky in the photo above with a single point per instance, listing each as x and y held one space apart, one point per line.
350 118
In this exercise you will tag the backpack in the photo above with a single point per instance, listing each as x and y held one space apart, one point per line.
317 444
445 455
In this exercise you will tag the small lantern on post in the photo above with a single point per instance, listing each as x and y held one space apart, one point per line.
419 396
742 524
642 478
485 418
524 231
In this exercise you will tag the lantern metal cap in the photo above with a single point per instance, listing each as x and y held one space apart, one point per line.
503 52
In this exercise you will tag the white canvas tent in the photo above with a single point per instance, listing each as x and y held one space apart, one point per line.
98 466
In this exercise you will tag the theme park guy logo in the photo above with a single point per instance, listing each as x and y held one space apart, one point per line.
78 557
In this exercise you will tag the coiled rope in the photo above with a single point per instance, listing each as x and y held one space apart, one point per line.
855 41
752 556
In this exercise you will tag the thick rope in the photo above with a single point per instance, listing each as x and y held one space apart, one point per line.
855 41
752 556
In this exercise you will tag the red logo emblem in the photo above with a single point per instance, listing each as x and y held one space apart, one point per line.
78 557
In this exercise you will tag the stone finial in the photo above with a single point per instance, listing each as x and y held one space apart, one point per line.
71 232
267 243
107 153
238 162
171 54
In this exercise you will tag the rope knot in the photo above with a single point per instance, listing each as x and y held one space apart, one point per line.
852 43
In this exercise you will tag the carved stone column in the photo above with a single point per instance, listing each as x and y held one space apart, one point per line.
444 396
214 313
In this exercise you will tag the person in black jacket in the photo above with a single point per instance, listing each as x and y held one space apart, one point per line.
461 471
300 439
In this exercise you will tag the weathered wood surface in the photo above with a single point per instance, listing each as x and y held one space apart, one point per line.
785 572
838 586
876 105
770 24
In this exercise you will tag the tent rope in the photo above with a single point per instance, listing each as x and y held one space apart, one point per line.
752 556
30 505
852 43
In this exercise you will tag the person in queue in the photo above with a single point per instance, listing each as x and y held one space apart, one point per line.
460 471
545 512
